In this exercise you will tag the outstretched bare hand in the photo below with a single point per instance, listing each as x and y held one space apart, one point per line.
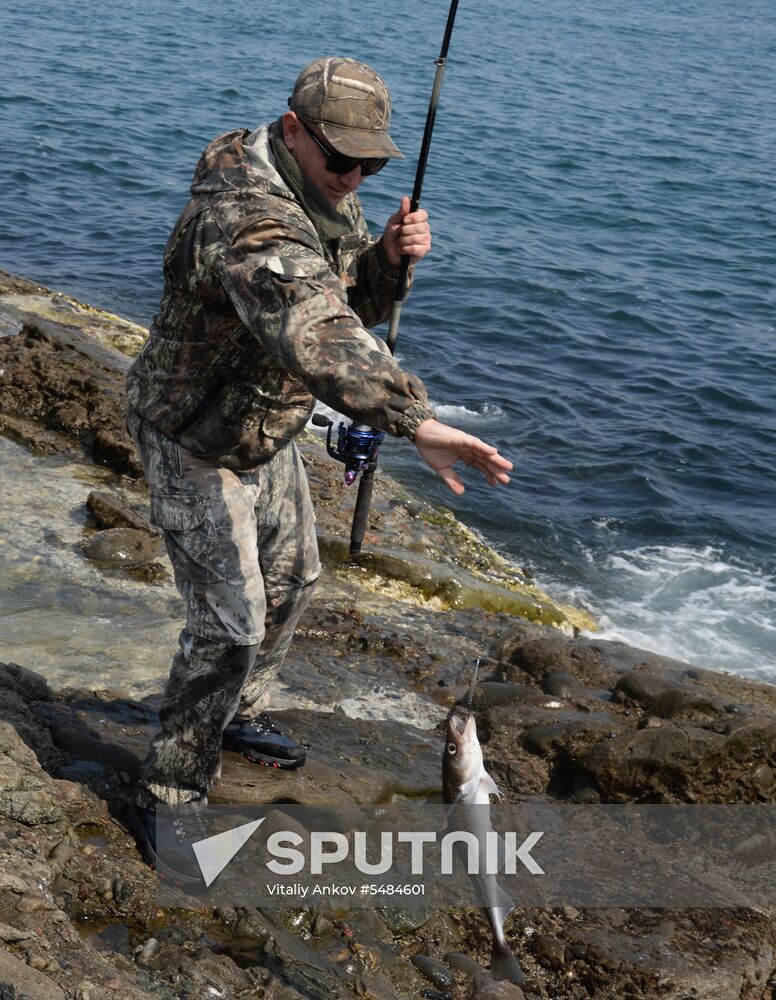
441 446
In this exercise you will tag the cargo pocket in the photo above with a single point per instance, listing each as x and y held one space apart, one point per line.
191 537
178 511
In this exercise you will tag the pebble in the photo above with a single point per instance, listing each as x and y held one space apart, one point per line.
10 934
61 854
322 926
404 921
121 891
36 961
149 950
436 972
31 904
550 951
485 988
463 963
562 684
83 990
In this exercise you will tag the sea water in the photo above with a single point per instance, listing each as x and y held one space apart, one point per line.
599 302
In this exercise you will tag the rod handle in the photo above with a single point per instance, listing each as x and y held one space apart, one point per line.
361 513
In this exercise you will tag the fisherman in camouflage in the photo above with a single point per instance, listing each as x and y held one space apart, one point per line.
271 281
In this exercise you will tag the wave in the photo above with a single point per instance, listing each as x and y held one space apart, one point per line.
690 603
455 414
445 412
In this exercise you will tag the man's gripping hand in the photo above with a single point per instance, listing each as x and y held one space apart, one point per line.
441 446
407 233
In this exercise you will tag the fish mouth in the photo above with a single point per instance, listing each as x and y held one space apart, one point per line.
457 721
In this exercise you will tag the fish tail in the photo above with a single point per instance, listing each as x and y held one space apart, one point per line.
504 965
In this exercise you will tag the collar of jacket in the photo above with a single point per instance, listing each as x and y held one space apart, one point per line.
330 224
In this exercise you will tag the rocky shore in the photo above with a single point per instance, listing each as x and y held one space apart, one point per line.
562 717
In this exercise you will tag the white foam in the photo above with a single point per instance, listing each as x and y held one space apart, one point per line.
448 413
464 415
692 604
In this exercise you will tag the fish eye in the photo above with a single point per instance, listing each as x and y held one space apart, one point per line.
452 748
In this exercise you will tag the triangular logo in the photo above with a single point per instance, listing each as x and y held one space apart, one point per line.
214 853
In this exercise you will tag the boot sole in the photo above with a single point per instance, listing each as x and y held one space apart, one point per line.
264 760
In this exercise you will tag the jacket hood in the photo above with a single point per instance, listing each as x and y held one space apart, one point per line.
237 161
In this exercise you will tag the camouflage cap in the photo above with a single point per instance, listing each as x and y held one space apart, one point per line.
350 104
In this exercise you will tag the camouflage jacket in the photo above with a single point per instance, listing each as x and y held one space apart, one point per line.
258 318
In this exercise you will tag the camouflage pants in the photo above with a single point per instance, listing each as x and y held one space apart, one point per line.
245 558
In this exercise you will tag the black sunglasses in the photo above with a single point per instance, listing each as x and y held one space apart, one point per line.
338 163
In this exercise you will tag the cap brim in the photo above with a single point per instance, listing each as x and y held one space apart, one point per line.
360 143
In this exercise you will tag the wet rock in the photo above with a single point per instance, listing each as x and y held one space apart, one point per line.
490 694
665 697
562 684
36 961
572 734
763 777
111 511
61 854
25 797
148 951
524 650
449 586
405 921
321 926
27 981
126 547
436 972
10 934
549 951
483 987
463 963
120 891
21 691
662 765
67 382
32 904
24 682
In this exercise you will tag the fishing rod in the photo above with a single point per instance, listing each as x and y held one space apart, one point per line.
357 445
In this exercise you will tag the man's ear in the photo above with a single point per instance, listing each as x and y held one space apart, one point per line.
291 128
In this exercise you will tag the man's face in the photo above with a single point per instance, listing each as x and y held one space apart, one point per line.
312 159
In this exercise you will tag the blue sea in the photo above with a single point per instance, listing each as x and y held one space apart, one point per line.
601 298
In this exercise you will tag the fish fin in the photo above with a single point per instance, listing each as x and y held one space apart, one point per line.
504 965
490 785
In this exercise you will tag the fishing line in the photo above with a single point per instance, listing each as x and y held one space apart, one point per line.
474 684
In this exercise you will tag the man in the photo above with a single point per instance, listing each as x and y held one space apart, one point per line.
271 279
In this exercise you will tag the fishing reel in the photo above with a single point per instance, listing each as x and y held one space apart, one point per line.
356 445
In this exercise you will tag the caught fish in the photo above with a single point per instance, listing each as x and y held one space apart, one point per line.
466 782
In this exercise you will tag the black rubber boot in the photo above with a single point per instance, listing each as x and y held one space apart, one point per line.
259 740
179 864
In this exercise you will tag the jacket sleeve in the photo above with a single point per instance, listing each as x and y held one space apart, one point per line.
287 296
373 277
371 296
